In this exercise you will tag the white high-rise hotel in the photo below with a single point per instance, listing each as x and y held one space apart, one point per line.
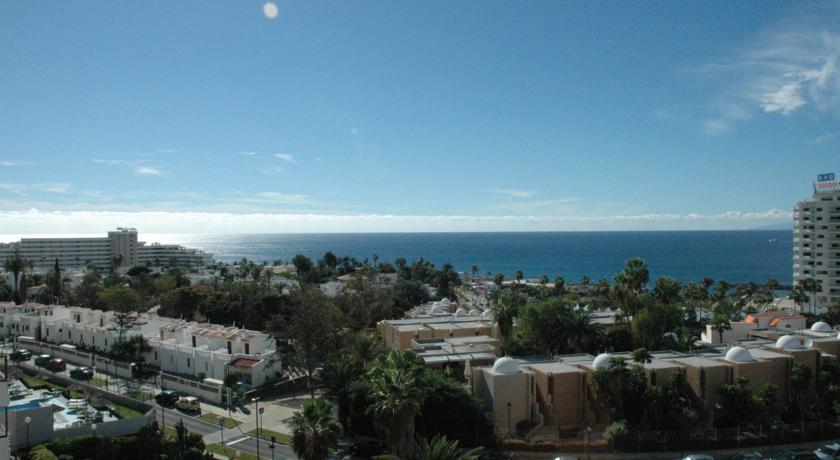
816 239
122 243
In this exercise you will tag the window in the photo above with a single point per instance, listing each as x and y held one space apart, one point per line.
188 362
155 356
247 348
193 341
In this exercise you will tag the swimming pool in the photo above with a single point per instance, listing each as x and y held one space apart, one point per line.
29 405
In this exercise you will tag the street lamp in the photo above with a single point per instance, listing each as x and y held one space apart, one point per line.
508 407
588 440
27 421
93 428
256 402
271 446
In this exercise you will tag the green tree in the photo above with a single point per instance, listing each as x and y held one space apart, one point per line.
124 302
182 302
641 356
396 399
635 275
407 294
15 264
314 429
309 331
800 382
667 290
654 321
441 448
130 349
505 309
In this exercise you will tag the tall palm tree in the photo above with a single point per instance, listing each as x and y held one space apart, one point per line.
474 270
335 379
396 399
441 448
635 275
314 430
799 296
519 275
505 310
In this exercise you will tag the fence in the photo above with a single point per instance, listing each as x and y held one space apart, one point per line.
764 436
212 393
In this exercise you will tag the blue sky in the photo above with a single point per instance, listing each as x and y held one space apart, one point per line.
211 116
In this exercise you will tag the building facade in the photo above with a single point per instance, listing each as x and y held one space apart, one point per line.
185 348
121 245
816 240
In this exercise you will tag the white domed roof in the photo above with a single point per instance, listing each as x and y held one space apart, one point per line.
506 365
461 312
791 342
486 314
437 311
445 301
821 326
474 312
601 361
739 355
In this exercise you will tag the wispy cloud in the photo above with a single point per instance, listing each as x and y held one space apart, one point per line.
284 198
52 187
248 154
788 68
137 168
272 170
13 163
514 193
147 171
823 138
288 157
40 187
168 151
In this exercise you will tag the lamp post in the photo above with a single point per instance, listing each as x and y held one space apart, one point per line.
93 428
508 407
588 441
256 402
272 446
27 421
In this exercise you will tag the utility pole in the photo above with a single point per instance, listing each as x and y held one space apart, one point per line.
256 401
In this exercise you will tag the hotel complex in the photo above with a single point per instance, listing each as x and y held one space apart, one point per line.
121 244
816 239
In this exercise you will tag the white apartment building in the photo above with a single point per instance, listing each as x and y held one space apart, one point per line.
177 347
816 239
122 243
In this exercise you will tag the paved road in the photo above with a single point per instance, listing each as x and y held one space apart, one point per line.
234 438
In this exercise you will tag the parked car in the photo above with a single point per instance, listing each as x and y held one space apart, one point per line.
56 365
188 404
828 451
42 360
82 373
745 456
795 455
166 398
20 355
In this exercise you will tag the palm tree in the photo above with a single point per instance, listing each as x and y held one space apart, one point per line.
635 275
474 270
396 398
504 310
799 296
498 280
335 379
441 448
314 429
519 275
580 331
641 356
15 264
720 323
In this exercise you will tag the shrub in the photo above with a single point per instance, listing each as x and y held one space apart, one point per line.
40 452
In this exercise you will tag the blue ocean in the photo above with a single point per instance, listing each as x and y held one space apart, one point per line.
736 256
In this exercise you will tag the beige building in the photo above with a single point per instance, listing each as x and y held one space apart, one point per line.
554 394
400 333
816 239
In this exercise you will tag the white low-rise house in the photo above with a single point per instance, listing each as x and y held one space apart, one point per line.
186 348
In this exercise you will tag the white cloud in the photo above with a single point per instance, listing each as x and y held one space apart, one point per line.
248 154
270 10
823 138
168 151
787 68
137 168
514 193
286 157
12 163
33 221
785 100
147 171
